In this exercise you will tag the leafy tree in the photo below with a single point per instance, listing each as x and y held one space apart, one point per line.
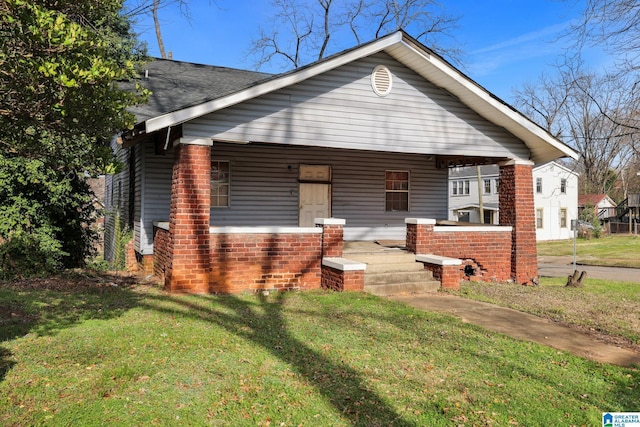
60 105
303 30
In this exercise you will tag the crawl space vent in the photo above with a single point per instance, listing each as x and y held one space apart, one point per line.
381 80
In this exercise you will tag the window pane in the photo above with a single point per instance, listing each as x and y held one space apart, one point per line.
220 177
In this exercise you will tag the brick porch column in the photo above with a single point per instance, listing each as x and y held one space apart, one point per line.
188 248
332 236
419 235
517 210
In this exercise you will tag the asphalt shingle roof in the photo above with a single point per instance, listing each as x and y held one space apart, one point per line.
176 85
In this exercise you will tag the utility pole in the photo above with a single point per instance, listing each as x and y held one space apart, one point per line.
480 207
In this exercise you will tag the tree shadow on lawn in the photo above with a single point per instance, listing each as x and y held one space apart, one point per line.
46 306
262 321
264 324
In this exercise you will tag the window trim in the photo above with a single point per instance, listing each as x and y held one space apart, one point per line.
228 184
564 217
540 219
486 181
465 187
538 185
407 191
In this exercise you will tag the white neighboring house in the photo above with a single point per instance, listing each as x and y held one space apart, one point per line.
555 190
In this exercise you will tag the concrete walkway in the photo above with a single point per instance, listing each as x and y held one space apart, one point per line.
523 326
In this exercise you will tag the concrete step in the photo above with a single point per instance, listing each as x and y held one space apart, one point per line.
397 277
382 257
396 267
403 288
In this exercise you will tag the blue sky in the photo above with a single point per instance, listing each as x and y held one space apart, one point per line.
506 42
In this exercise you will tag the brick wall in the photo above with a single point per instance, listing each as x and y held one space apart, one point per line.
161 257
253 262
490 250
338 280
332 240
517 210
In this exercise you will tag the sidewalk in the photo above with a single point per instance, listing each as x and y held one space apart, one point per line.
523 326
562 266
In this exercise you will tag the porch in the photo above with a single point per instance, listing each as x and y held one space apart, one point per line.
195 255
239 259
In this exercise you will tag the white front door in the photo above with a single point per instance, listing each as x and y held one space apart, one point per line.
314 203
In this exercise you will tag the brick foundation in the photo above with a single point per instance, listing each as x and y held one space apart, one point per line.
254 262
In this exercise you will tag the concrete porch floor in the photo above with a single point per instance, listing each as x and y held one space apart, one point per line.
378 246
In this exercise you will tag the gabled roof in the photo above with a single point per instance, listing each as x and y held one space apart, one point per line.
543 146
492 171
594 199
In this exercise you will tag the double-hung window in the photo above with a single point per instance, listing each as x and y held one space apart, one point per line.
460 187
397 191
220 183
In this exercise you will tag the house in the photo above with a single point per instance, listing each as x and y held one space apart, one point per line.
603 206
240 181
555 197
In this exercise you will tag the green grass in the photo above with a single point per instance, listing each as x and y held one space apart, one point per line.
99 354
600 306
616 250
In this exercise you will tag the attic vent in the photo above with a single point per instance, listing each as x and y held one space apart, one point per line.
381 80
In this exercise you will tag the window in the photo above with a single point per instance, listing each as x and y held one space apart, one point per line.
397 191
496 185
539 218
563 218
459 188
539 186
563 186
220 184
487 186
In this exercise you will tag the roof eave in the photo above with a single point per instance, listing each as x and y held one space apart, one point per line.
543 146
271 85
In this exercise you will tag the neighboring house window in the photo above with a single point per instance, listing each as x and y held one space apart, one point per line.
397 191
487 186
563 186
539 218
463 216
497 185
563 218
459 188
538 185
220 183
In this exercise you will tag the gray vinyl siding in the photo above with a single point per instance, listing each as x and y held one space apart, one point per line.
264 190
154 193
116 200
339 109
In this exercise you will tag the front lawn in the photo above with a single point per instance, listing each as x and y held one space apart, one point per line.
608 308
615 250
112 353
